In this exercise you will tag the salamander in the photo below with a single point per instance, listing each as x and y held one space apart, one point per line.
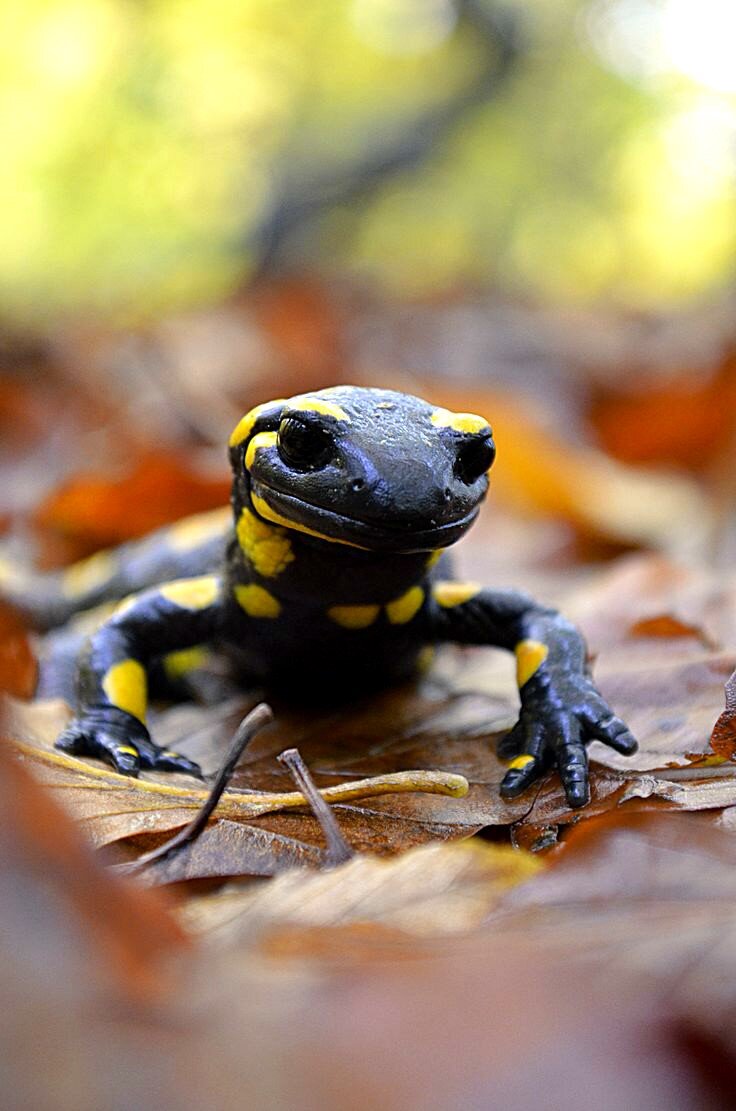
328 578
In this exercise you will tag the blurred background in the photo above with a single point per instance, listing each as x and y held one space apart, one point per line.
524 208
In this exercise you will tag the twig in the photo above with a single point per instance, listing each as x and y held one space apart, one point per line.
252 723
338 850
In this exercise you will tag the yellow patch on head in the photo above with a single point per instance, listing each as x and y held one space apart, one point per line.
267 548
433 558
520 762
447 593
177 664
125 686
459 422
88 574
192 594
262 507
353 617
198 529
530 655
403 609
256 601
306 404
244 427
259 441
128 750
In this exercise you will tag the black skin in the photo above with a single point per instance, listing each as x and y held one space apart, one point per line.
386 487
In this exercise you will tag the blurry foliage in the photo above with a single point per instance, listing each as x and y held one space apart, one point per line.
145 146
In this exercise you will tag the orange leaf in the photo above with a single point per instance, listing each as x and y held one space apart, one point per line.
101 512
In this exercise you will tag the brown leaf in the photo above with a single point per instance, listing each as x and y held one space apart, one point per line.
723 737
112 807
225 849
665 625
127 929
17 661
428 891
101 512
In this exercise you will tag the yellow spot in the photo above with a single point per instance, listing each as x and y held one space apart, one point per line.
192 594
458 422
170 752
304 404
244 427
434 557
530 655
127 604
447 593
177 664
520 762
125 686
260 440
12 576
89 574
353 617
128 750
196 530
266 547
256 601
262 507
403 609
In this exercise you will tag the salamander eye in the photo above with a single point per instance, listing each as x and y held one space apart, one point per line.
474 457
303 446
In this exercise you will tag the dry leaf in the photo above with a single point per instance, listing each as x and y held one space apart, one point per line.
723 737
159 488
431 890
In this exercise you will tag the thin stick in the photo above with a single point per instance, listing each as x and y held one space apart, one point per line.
338 850
252 723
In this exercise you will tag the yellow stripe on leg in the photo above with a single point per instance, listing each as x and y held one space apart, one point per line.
530 655
125 687
520 762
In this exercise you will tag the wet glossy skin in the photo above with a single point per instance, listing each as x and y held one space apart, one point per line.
343 500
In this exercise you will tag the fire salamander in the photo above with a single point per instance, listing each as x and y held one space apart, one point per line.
330 580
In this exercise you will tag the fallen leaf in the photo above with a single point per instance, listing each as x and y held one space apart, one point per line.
127 929
723 737
665 625
101 512
428 891
112 807
17 661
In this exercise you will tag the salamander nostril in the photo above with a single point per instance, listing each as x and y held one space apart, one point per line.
448 493
357 484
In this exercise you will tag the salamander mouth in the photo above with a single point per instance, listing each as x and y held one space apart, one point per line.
324 524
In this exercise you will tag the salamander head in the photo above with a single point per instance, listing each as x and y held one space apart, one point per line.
377 469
